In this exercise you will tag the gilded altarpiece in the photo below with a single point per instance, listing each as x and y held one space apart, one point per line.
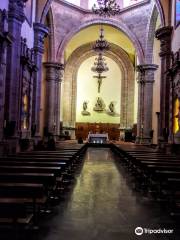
175 98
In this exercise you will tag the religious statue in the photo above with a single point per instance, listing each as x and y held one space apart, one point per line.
99 84
99 81
99 106
85 106
111 111
111 107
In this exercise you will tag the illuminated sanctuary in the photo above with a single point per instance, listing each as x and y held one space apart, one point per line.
95 76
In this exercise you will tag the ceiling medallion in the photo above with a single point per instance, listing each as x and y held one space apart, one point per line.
107 8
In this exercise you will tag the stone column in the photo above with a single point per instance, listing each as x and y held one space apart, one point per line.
15 19
40 32
145 101
53 78
4 40
164 35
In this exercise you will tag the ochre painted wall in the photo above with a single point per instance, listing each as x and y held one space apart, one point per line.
87 90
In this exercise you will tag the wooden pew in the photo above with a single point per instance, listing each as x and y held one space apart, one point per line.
14 199
31 169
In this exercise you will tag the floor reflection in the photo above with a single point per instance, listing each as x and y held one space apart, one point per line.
102 206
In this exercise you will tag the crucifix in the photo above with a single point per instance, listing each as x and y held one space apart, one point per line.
99 81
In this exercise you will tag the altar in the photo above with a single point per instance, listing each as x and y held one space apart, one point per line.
98 138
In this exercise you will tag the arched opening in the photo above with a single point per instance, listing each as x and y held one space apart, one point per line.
79 86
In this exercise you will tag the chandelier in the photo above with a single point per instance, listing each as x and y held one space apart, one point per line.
101 44
100 65
107 8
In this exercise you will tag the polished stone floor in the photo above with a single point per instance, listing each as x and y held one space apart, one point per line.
103 206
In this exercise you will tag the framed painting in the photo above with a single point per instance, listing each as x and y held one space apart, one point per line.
177 13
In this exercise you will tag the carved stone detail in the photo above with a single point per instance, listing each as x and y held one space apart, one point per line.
15 20
4 40
164 35
40 32
145 82
16 10
174 73
53 78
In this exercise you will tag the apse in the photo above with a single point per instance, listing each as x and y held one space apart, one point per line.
108 91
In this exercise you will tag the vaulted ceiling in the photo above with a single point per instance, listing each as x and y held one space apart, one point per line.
91 34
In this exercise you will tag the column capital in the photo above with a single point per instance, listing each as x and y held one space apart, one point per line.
40 32
53 71
164 35
16 10
56 65
146 67
4 34
146 73
163 32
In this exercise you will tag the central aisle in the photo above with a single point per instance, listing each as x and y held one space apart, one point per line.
101 205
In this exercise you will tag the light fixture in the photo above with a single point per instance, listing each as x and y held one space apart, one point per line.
100 65
107 8
101 44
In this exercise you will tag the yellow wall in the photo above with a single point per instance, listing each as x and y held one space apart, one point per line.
156 86
87 91
91 34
